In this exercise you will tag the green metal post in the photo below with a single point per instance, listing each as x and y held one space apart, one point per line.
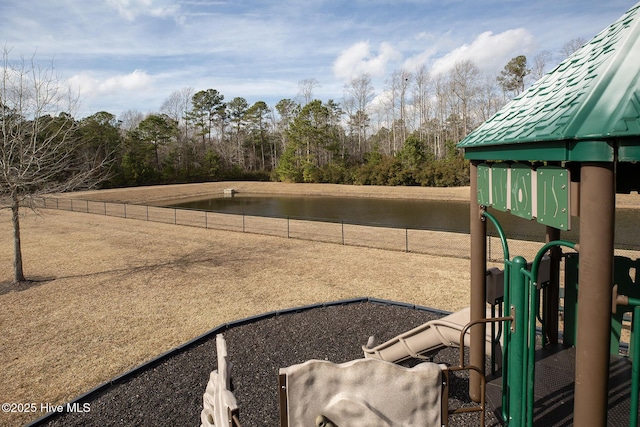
534 301
517 310
635 369
506 333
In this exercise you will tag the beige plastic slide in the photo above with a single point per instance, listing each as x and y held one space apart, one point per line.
428 337
446 331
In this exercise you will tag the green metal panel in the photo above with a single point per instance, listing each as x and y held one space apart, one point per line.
556 151
521 191
484 185
553 184
629 150
500 186
591 151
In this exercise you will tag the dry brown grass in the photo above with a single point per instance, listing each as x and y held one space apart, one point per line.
117 292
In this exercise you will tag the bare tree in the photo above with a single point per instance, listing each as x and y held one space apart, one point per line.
129 120
422 98
305 90
464 84
177 106
404 81
443 94
41 151
397 86
540 64
571 46
358 96
489 98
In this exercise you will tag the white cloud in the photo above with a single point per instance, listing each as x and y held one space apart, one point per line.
89 85
489 52
130 9
359 59
415 62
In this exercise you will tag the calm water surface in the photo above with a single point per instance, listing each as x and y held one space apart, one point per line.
420 214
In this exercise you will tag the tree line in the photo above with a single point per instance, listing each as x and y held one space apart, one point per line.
404 136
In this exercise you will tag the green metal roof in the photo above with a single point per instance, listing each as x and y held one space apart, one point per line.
584 110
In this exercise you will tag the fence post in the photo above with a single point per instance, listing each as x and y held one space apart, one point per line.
243 222
147 213
406 239
175 216
288 227
125 210
206 219
342 222
71 205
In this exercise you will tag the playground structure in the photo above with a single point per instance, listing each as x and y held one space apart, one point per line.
562 150
558 152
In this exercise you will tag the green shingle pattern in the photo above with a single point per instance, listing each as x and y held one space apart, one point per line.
583 110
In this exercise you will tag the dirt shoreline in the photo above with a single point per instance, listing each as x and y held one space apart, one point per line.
163 194
159 194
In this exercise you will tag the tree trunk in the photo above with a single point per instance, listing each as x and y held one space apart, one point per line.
17 247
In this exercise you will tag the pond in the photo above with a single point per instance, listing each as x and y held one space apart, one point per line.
399 213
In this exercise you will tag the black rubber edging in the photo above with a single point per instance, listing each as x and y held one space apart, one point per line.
122 378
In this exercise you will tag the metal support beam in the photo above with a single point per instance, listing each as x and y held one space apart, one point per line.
478 229
552 292
597 223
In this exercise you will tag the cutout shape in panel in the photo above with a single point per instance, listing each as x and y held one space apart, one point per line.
554 197
500 186
521 191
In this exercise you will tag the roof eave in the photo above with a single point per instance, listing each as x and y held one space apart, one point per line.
553 151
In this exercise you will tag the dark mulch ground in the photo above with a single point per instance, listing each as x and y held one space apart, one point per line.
170 393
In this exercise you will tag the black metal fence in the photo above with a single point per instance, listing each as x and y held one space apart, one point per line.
425 241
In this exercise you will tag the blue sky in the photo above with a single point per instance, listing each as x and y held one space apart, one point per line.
132 54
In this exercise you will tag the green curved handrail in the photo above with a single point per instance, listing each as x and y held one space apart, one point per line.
506 298
503 238
536 261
